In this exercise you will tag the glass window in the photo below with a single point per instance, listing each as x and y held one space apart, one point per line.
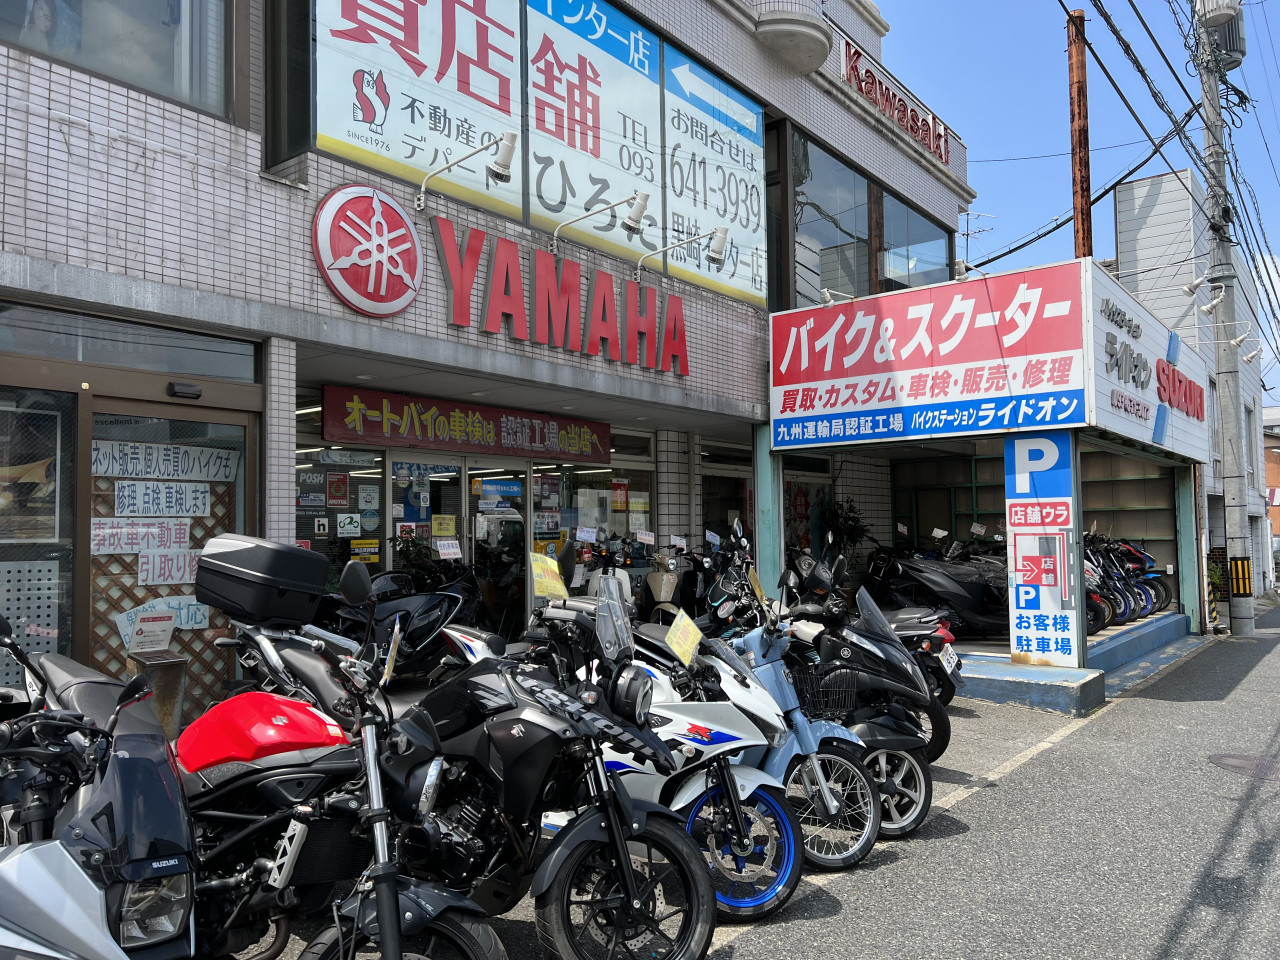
832 248
177 50
725 499
71 336
915 248
37 521
339 511
616 502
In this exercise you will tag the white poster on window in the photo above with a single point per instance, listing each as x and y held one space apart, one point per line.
164 461
595 122
409 86
156 498
167 566
188 613
127 535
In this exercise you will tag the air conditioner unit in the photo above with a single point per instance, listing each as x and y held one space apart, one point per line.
1215 13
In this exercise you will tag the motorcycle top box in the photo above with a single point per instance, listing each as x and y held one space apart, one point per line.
260 582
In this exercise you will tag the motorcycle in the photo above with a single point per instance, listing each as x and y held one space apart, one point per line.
926 633
974 594
521 739
96 855
740 817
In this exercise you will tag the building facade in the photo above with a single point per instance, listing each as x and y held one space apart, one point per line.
223 307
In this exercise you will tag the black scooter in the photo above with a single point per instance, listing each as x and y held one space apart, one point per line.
976 608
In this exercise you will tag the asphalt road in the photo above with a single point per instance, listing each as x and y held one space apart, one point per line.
1108 837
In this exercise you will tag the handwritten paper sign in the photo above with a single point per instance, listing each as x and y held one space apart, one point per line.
449 549
444 525
188 612
163 461
683 638
645 536
546 577
587 534
160 498
122 535
167 566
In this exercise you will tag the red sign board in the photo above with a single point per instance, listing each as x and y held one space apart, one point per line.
356 415
1040 513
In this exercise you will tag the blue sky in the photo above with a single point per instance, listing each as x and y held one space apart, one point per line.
996 71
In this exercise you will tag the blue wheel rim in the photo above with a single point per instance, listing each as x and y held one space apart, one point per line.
769 807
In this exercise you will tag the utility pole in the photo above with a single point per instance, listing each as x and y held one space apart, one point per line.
969 231
1081 189
1230 405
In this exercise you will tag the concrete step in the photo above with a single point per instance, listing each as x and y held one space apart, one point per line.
1117 646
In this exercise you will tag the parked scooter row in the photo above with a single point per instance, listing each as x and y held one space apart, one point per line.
1122 582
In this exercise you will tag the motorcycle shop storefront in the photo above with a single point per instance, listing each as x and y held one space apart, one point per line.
480 484
1020 412
124 448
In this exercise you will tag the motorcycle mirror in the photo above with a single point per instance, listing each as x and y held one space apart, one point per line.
837 571
139 688
737 527
831 538
566 560
135 689
354 584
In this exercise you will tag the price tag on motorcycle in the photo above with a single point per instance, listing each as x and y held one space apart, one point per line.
679 543
546 577
645 536
754 579
948 658
712 537
683 638
902 529
939 533
449 549
978 529
392 652
587 534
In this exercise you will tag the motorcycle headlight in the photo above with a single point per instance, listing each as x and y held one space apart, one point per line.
632 694
154 910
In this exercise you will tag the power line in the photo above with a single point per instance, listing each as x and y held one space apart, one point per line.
1048 156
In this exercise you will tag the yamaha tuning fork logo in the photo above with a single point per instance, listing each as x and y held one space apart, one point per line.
367 250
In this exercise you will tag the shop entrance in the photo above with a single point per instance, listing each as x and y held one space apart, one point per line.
499 540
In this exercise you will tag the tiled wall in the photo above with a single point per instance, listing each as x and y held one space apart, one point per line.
279 435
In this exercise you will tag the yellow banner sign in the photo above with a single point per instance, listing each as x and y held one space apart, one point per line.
444 525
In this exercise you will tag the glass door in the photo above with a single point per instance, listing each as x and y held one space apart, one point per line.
162 488
498 533
427 503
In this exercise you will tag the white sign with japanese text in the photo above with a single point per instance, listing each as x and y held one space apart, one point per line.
407 86
167 566
152 632
164 461
715 177
126 535
154 498
992 355
188 612
595 122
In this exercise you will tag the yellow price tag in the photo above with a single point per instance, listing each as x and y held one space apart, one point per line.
754 579
683 638
546 577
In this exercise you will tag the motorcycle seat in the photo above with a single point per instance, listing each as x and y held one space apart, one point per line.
77 687
806 630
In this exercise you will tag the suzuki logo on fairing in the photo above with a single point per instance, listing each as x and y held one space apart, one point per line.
279 721
158 864
518 730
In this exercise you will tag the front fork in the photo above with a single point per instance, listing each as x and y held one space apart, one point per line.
385 869
729 785
811 769
607 799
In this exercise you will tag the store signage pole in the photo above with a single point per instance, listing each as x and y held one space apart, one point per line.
1230 406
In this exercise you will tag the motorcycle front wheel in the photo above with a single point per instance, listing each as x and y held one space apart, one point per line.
753 876
584 914
835 841
451 935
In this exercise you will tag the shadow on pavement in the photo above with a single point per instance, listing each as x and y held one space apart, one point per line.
938 826
1231 890
1214 678
947 775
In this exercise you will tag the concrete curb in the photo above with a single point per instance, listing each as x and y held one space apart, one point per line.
1059 689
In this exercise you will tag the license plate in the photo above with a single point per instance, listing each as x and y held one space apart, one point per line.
948 658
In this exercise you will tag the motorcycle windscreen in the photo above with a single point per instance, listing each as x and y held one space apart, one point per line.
871 618
613 626
136 815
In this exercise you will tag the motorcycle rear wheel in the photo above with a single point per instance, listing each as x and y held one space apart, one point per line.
855 826
937 726
451 935
581 917
903 809
944 688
